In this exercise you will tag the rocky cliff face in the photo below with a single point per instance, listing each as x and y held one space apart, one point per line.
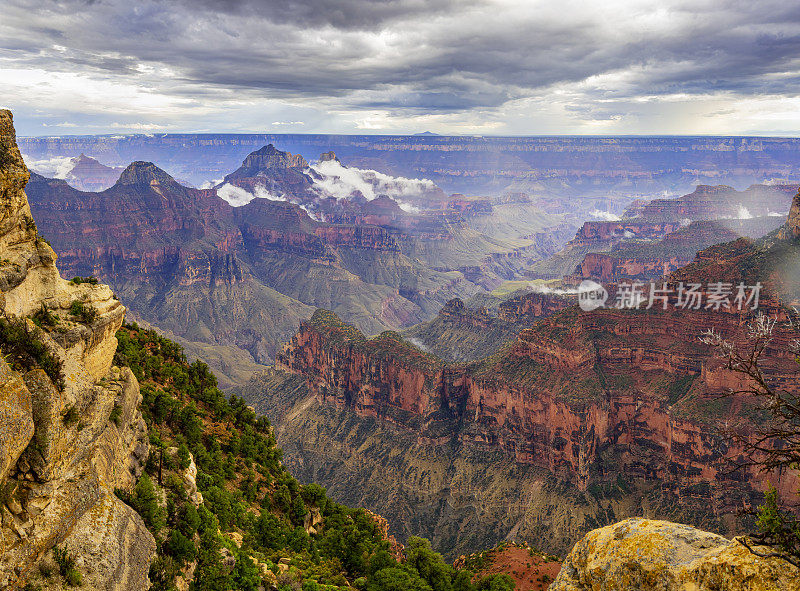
62 454
719 201
655 238
573 394
280 173
597 233
635 259
793 223
463 332
87 174
660 556
528 307
608 268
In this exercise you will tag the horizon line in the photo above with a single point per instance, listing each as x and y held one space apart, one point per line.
414 135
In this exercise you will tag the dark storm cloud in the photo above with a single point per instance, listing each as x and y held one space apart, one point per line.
415 55
341 14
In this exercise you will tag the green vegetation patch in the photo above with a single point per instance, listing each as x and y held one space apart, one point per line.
388 345
66 567
91 280
392 345
83 312
23 349
679 388
335 326
246 490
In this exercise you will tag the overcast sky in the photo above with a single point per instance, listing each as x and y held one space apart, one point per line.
401 66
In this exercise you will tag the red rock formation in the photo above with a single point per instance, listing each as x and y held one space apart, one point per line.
384 377
531 570
593 233
717 202
529 306
87 174
469 207
396 549
140 227
455 311
793 222
363 236
267 158
653 260
580 394
610 268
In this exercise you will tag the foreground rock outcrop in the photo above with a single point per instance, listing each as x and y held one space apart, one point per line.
71 427
649 555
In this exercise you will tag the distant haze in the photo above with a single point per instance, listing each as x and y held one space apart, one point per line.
407 66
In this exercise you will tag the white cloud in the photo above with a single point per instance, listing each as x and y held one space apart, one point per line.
211 184
234 195
407 207
238 196
56 168
342 182
139 126
742 213
605 216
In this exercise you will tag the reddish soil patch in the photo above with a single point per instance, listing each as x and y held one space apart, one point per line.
530 571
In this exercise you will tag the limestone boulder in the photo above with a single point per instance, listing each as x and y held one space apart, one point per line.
16 418
189 477
112 546
649 555
312 520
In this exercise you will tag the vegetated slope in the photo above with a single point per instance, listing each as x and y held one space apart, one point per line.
231 516
583 419
531 569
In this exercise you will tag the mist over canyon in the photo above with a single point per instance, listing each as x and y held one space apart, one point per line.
421 352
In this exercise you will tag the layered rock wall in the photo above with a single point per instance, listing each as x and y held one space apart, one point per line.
585 396
593 233
611 268
62 452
